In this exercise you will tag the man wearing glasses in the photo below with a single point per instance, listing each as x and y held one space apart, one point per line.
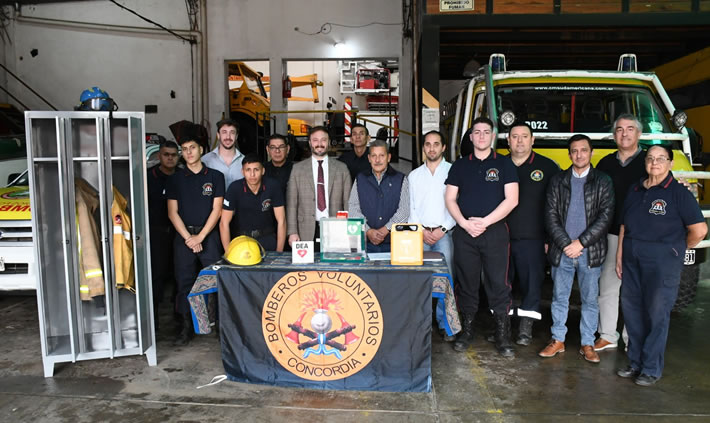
280 166
625 167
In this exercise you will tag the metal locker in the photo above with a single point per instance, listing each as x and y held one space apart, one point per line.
75 160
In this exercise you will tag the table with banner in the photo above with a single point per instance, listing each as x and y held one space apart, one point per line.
356 326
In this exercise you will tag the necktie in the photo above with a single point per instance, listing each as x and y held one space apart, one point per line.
320 190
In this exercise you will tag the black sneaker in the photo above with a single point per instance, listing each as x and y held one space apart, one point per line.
627 372
645 380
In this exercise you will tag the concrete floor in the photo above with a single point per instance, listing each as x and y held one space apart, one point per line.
477 386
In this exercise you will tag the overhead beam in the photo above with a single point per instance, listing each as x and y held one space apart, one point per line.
580 20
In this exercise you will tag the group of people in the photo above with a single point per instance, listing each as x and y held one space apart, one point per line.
495 218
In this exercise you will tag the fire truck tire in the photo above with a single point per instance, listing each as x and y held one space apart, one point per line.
689 277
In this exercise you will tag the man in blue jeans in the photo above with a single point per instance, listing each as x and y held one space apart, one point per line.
427 206
578 213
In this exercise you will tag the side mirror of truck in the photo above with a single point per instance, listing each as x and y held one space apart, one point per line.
11 177
679 119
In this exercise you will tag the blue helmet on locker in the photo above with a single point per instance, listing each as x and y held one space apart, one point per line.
96 99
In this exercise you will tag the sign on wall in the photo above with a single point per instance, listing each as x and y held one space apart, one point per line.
455 5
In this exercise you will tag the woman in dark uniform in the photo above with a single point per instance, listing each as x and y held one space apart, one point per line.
661 218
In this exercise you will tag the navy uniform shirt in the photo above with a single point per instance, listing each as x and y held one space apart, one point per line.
281 174
526 221
195 193
157 200
660 213
253 211
481 182
355 164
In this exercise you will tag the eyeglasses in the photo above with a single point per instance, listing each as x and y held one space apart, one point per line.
278 147
659 160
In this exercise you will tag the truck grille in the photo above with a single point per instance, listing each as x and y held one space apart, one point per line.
11 232
15 269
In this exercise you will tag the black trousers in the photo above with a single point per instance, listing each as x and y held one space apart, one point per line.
488 252
161 262
527 257
188 265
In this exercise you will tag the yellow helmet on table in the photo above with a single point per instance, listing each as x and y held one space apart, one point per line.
244 251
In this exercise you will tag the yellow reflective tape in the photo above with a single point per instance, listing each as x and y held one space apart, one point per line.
92 273
84 288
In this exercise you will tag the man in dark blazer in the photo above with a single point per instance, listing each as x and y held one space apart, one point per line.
318 187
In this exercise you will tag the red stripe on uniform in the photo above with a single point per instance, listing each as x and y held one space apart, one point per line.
532 155
670 179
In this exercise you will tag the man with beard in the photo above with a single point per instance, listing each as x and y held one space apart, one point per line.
318 187
427 206
226 158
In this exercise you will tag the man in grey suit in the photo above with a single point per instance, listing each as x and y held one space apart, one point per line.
318 187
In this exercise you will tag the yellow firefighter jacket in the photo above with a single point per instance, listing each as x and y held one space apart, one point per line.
91 276
122 243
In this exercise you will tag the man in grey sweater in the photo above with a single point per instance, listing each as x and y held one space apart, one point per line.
578 212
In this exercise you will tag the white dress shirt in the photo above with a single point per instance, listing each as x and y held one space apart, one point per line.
314 163
426 197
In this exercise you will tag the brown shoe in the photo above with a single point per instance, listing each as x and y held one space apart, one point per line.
602 344
589 354
552 349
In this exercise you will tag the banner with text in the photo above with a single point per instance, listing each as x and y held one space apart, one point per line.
330 330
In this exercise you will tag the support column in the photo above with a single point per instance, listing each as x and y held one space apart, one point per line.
277 71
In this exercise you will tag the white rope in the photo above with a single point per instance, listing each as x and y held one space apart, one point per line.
215 380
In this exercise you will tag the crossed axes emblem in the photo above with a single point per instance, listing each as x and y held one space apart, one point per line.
326 338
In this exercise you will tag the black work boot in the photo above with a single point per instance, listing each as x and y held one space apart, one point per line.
183 338
525 331
465 337
177 321
503 343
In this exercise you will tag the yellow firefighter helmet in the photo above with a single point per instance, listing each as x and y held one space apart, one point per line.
244 251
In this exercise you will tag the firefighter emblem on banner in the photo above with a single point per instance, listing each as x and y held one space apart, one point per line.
322 325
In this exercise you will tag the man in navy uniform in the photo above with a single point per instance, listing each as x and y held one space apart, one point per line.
381 196
357 159
162 232
481 190
257 202
195 197
279 167
527 226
